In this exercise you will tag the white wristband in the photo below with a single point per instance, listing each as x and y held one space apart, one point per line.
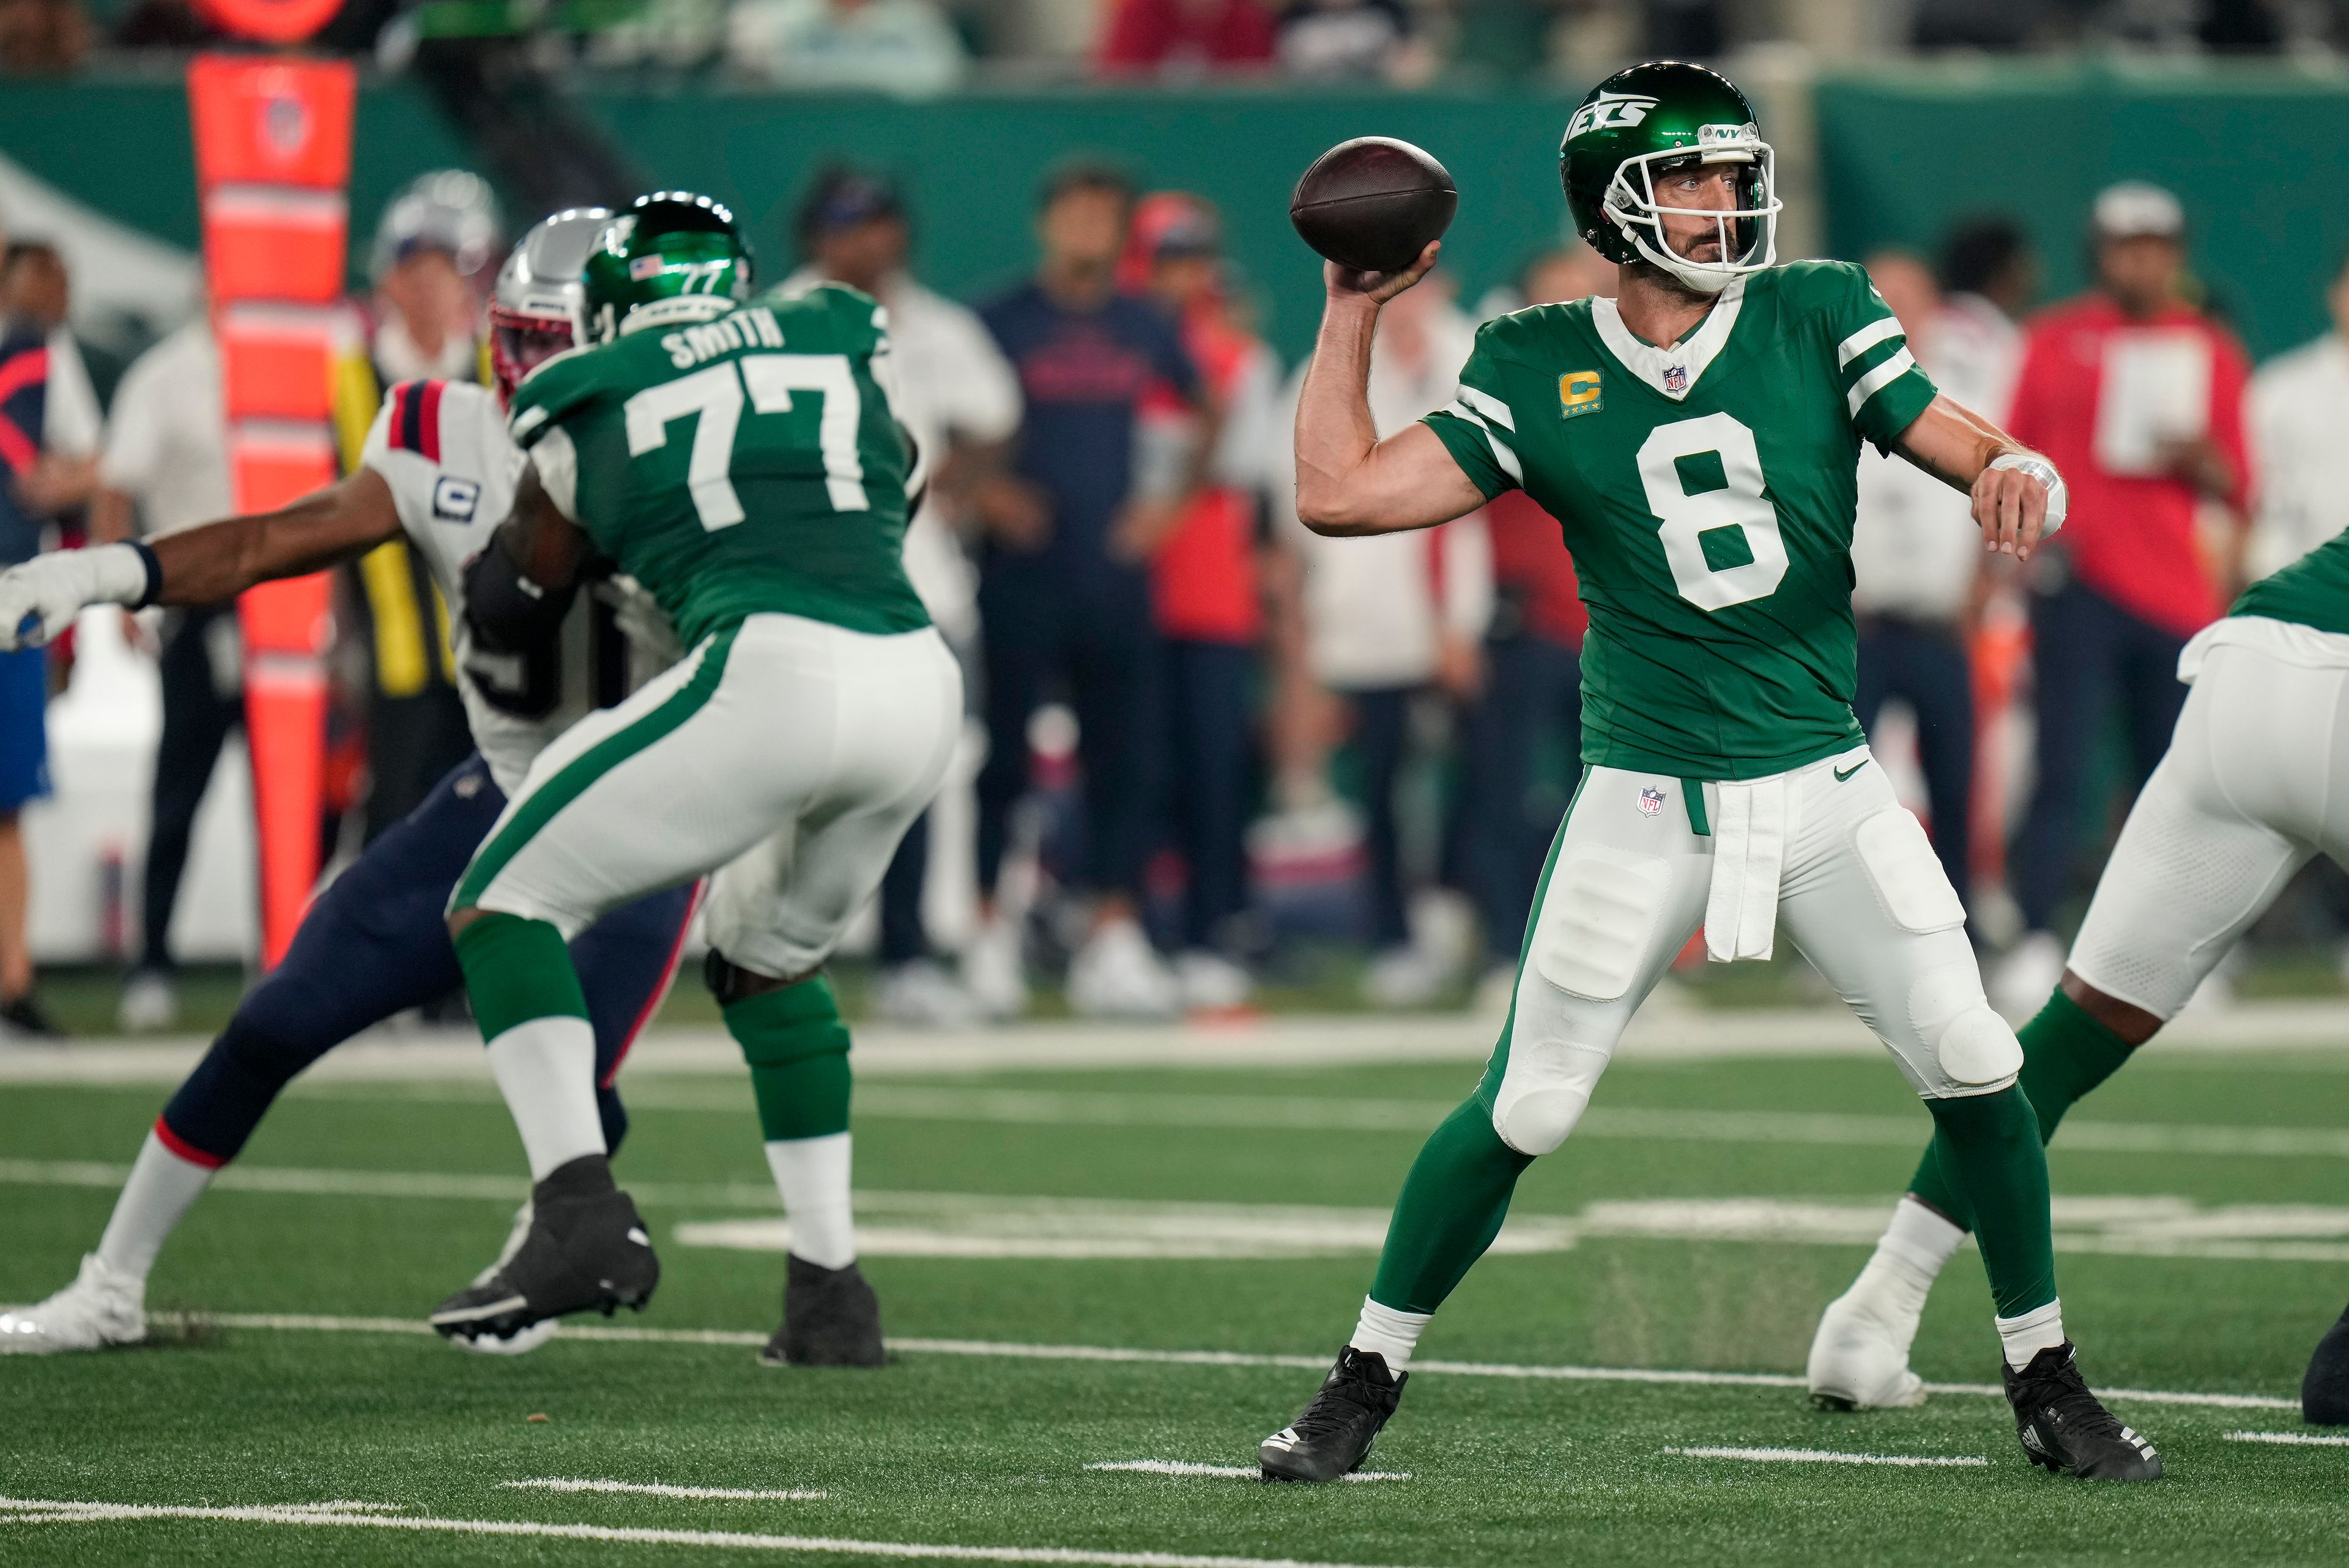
118 574
2040 468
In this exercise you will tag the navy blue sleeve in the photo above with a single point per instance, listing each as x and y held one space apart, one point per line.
1167 355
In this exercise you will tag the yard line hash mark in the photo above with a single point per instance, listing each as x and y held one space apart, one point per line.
1822 1456
1236 1473
2312 1439
35 1510
657 1489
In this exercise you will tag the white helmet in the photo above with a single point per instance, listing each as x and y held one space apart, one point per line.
538 309
447 209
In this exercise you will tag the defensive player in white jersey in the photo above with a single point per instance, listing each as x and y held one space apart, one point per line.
440 469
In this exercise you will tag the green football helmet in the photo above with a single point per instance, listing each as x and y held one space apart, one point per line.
1638 124
671 256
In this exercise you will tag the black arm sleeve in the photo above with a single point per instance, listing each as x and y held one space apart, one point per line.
514 635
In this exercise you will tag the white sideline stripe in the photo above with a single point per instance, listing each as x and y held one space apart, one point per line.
35 1510
655 1489
1234 1472
2312 1439
1821 1456
302 1321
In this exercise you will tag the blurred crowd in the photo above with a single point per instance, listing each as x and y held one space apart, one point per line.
916 46
1203 740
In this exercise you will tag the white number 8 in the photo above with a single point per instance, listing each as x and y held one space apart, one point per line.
1737 503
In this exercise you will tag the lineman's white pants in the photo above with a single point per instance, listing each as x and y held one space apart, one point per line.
791 753
1859 890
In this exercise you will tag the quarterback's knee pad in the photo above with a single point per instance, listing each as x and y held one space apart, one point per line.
1544 1093
1979 1050
1968 1046
1598 921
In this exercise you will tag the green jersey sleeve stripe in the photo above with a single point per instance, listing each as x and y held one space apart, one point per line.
1867 337
1878 380
1503 453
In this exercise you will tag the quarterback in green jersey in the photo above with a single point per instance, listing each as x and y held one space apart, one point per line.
1697 438
2240 803
739 459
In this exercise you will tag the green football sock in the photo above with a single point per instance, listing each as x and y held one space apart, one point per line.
798 1051
1988 1148
517 970
1451 1207
2065 1053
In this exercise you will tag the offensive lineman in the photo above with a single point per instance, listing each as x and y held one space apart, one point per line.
439 468
1698 438
2241 802
742 461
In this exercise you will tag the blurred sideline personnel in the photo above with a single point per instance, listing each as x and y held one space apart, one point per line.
2297 413
2137 397
49 426
1916 561
1989 277
1065 587
960 400
1391 619
2247 793
1207 588
1699 447
810 723
1533 686
437 467
432 246
165 468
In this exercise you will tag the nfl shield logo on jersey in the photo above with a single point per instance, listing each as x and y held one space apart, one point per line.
1651 800
1675 379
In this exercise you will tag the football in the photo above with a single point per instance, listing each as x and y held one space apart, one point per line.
1374 203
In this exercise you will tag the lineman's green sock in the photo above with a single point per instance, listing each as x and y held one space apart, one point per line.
798 1050
1451 1207
2065 1053
526 998
1989 1146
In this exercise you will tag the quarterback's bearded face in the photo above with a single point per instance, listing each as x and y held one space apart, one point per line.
1685 194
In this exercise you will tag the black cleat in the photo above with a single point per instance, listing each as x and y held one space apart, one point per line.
2324 1392
1334 1434
586 1250
830 1319
2066 1428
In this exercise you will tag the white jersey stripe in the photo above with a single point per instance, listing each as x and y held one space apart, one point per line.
1492 407
1878 380
1867 337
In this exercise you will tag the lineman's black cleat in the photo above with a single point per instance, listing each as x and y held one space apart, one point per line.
1334 1435
2067 1429
830 1319
586 1251
2324 1392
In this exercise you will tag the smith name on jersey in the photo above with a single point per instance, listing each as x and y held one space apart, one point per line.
746 464
1707 492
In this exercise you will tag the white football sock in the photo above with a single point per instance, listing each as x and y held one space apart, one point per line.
1393 1335
811 1173
152 1205
1909 1255
2033 1332
545 1068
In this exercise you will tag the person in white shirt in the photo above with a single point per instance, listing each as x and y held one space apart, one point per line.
1389 617
2298 410
166 466
902 46
960 398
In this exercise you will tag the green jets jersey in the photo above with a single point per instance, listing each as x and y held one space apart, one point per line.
745 464
1706 492
2313 591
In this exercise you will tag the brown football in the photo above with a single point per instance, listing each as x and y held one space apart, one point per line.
1374 203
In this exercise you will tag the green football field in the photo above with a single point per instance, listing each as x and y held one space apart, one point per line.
1102 1282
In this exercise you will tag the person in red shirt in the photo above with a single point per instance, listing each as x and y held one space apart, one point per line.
1185 37
2137 397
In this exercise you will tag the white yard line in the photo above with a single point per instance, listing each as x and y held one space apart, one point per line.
656 1488
2311 1440
1230 1472
310 1323
1821 1456
34 1511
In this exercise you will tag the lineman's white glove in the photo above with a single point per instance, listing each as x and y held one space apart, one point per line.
40 598
640 618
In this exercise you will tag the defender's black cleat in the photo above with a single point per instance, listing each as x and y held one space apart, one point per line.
830 1319
1334 1435
2324 1392
586 1250
2066 1428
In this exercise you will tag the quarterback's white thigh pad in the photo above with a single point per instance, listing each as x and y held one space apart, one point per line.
1545 1092
1597 921
1905 874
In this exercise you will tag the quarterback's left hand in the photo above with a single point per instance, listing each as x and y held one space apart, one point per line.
2019 499
40 598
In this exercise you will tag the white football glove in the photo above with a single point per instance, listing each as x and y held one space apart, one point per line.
640 618
40 598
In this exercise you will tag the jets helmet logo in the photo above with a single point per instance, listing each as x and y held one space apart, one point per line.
1609 111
